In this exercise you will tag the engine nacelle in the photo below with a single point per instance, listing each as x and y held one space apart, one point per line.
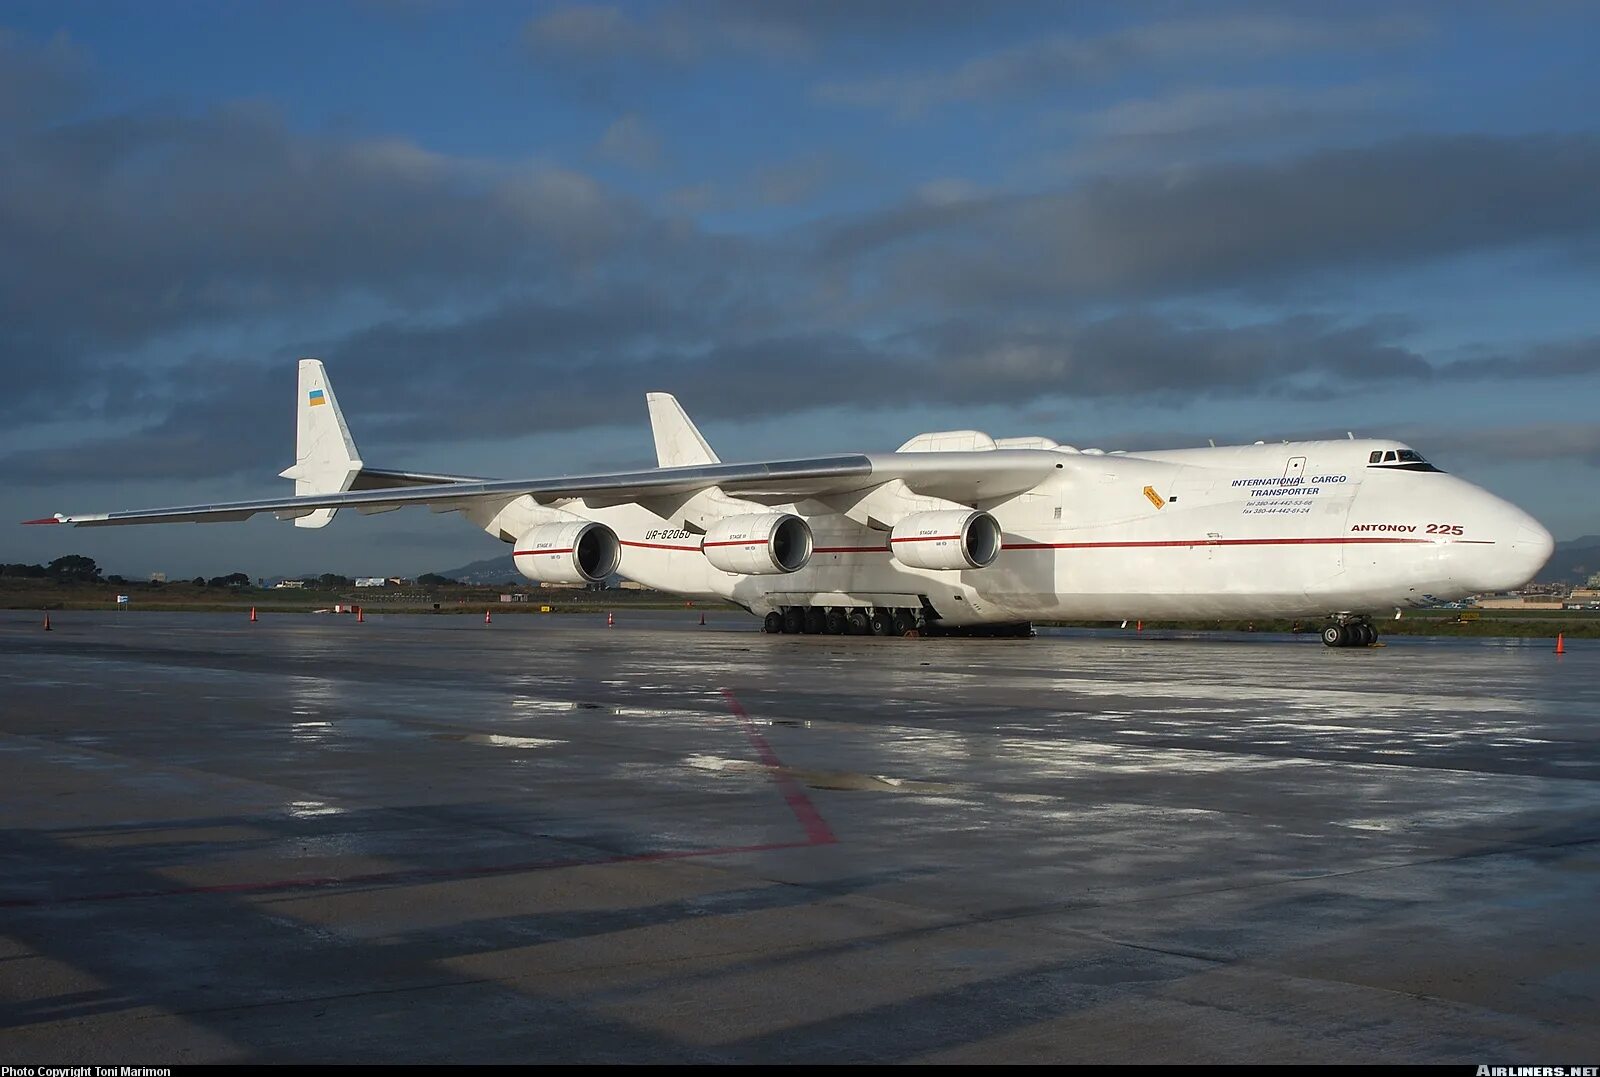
580 551
760 544
949 539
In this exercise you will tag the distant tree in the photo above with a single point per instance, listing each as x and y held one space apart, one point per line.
115 579
234 579
330 580
75 567
32 572
433 579
199 581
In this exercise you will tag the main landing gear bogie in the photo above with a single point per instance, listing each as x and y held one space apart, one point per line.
876 621
1353 632
842 621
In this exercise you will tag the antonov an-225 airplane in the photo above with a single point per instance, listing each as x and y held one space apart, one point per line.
961 531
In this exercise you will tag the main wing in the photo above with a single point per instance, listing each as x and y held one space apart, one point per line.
960 476
787 478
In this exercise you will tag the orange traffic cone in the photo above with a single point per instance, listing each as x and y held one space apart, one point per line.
1139 626
1561 642
361 616
610 620
252 615
486 618
47 620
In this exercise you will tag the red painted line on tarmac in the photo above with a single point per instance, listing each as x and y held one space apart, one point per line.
818 832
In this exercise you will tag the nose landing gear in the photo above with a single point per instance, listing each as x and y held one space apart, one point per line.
1350 632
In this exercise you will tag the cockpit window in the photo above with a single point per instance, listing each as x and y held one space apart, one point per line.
1399 460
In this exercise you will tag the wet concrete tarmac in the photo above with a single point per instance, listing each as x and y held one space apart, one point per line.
427 839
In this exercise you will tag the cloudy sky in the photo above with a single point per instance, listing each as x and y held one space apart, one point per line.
825 224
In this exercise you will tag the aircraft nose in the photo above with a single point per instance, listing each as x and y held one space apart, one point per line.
1531 547
1518 555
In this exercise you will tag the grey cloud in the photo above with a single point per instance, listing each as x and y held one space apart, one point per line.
1061 60
533 368
1523 443
685 33
628 141
121 229
1241 224
40 83
1208 123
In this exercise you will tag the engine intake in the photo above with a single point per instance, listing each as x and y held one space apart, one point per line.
760 544
578 552
949 539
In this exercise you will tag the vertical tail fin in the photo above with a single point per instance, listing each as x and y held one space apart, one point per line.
325 458
678 441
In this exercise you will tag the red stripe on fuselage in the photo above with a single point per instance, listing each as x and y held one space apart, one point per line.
1351 539
530 553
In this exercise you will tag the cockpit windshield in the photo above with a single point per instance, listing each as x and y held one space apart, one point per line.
1399 460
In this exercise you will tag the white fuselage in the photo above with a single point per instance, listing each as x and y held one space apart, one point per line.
1292 529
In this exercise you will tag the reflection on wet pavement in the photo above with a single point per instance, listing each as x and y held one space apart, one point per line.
427 839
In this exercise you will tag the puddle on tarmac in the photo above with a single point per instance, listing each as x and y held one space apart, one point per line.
834 780
497 740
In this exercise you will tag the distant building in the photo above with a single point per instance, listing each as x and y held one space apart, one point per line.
514 598
289 585
398 581
371 581
158 577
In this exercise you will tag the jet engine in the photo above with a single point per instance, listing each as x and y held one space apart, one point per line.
760 544
948 539
579 551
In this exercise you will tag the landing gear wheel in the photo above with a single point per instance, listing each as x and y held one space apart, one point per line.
904 621
1336 636
882 622
772 623
813 620
1367 635
833 622
856 623
793 619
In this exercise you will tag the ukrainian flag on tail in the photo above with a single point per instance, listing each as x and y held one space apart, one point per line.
317 396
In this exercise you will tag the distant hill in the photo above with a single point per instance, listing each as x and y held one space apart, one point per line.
1574 561
493 570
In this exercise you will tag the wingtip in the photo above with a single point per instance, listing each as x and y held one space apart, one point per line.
43 520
